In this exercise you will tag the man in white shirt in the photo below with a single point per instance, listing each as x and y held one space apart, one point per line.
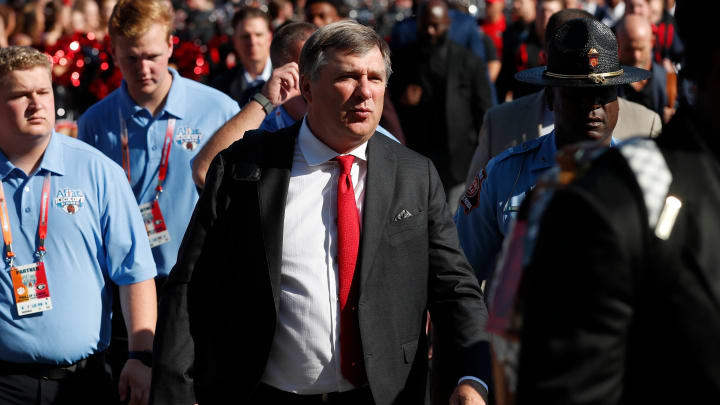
341 243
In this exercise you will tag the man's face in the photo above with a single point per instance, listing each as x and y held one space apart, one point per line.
346 100
585 114
639 7
545 10
252 40
144 61
433 24
27 105
635 50
321 14
524 10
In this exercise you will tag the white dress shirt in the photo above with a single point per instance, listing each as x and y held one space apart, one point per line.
262 77
305 353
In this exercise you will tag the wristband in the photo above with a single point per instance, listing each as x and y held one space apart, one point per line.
145 357
264 102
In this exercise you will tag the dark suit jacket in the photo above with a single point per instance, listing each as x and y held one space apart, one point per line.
467 97
614 314
233 84
218 312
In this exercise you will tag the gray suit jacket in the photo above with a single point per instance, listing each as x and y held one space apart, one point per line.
509 124
219 308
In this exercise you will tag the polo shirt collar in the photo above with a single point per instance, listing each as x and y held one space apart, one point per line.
316 152
174 105
52 159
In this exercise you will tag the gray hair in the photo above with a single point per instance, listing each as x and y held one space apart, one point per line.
15 58
346 35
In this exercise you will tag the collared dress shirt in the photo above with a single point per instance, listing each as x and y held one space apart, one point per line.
199 111
279 119
95 237
261 78
305 353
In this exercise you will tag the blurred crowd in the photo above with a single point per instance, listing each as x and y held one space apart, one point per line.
509 38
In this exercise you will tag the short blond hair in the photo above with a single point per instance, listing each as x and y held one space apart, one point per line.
133 18
15 58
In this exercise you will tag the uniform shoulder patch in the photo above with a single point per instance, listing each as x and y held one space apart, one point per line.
472 195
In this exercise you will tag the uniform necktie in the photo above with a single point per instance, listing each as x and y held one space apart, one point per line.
348 229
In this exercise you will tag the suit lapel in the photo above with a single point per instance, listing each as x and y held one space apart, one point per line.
379 186
272 190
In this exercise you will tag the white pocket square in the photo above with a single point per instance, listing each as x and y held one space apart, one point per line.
404 214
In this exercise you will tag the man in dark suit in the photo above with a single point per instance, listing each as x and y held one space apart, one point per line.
622 288
441 93
313 256
251 39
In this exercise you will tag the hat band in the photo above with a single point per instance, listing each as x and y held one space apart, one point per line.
598 78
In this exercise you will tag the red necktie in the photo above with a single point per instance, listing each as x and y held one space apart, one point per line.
348 229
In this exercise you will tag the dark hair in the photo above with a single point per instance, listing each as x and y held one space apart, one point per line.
285 38
248 12
342 11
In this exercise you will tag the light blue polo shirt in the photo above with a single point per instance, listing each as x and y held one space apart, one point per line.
508 178
101 239
199 111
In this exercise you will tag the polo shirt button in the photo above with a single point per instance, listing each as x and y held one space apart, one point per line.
154 148
27 209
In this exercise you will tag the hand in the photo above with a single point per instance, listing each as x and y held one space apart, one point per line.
413 94
668 113
467 393
136 377
283 85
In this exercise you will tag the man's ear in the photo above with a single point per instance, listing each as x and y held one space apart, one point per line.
170 45
549 98
305 88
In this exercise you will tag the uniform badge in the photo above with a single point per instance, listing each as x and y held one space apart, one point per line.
69 200
472 195
188 138
593 58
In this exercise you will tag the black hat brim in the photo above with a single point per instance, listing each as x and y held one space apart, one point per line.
535 76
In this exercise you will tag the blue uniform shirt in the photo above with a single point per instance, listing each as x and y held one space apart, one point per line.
483 221
199 111
279 119
102 240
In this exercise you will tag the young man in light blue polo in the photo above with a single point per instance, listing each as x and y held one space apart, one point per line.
155 123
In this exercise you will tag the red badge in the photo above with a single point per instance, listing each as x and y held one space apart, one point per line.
472 195
593 58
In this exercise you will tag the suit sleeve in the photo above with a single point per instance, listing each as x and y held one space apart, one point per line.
577 306
173 349
482 94
456 303
482 152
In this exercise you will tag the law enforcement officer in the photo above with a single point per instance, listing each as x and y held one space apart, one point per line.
154 123
70 228
622 286
581 78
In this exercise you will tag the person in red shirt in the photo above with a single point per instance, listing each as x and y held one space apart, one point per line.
494 24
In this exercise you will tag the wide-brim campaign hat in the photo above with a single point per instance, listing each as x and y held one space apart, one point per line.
582 53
